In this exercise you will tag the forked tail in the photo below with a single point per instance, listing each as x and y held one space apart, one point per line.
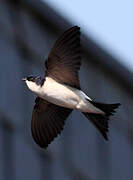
100 121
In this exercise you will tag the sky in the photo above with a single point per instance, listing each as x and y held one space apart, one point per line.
108 22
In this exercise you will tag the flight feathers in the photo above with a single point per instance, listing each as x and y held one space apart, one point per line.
47 121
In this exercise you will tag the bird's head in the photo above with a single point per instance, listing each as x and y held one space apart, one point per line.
33 82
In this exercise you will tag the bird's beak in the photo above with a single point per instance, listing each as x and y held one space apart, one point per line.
24 79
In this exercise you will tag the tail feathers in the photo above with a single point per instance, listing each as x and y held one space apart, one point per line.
109 109
100 121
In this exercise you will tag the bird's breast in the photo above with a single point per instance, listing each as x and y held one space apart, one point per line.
59 94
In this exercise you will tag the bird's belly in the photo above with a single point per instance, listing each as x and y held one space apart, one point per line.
60 95
62 101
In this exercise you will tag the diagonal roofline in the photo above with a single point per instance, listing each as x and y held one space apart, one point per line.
46 15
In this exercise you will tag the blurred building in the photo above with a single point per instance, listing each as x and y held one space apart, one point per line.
28 29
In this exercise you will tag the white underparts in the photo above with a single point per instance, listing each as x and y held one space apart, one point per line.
63 95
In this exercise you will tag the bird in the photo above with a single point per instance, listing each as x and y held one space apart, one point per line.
59 92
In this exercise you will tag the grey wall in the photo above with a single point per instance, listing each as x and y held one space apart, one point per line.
80 152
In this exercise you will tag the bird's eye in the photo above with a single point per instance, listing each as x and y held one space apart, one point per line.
30 78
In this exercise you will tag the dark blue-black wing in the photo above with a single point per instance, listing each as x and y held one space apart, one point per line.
64 60
47 121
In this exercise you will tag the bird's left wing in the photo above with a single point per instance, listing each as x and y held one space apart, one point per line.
64 60
47 121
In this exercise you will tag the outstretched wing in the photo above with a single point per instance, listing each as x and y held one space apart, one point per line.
47 121
64 60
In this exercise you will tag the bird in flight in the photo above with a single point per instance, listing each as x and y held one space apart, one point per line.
59 92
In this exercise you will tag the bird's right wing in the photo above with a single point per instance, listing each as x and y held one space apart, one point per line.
47 121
